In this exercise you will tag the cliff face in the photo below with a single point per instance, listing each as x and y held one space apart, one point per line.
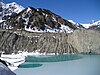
14 41
85 41
55 43
80 41
4 70
43 42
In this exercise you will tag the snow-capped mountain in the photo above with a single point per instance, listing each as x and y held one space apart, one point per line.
2 4
2 7
9 9
86 25
96 22
92 25
73 22
38 20
78 25
48 21
14 7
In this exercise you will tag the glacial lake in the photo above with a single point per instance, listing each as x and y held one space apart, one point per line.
69 64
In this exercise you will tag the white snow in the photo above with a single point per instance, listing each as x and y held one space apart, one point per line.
14 7
66 29
46 15
43 13
31 30
14 60
2 21
37 9
54 19
63 28
72 21
10 8
29 9
94 23
86 25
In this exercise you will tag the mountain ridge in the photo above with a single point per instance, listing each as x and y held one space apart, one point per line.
19 32
39 20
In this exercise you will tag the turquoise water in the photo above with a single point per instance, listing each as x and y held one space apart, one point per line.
53 58
60 65
25 65
30 60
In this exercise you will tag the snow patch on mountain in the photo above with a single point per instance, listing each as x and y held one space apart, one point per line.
86 25
72 21
93 23
66 29
29 9
96 22
14 7
63 28
42 17
2 4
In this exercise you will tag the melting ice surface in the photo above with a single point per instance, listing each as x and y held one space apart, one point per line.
60 65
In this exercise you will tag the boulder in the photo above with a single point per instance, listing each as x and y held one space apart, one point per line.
4 70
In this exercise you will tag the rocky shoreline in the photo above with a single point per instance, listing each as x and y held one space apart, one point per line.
80 41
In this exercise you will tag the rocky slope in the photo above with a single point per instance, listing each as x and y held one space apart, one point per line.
92 25
37 19
42 42
32 19
80 41
85 41
18 29
6 10
4 70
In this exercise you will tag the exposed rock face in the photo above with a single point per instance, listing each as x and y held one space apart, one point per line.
85 41
55 43
4 70
43 42
12 42
80 41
